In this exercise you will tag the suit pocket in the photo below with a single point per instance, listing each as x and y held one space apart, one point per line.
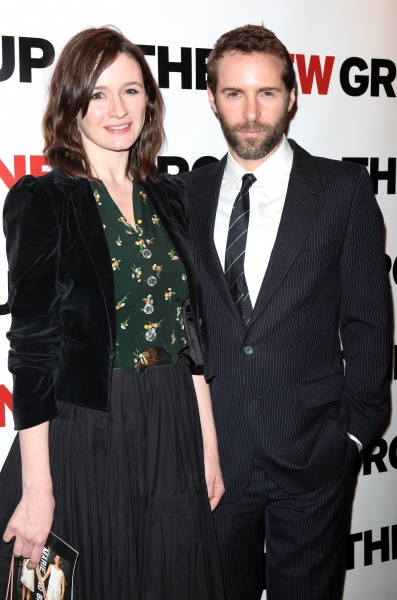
318 255
322 391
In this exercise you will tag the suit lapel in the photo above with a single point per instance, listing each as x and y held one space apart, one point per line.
302 205
90 228
202 212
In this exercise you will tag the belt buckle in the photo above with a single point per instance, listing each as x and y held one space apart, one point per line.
148 358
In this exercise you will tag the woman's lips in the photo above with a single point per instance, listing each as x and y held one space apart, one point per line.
118 129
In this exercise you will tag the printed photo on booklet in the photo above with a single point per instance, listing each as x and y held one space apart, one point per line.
53 577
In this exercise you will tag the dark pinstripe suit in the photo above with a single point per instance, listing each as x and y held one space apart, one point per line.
282 412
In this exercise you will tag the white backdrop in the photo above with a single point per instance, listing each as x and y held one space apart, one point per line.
333 119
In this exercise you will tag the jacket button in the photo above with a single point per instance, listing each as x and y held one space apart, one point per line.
248 350
111 355
199 321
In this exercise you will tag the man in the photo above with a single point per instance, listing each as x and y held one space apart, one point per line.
56 584
289 250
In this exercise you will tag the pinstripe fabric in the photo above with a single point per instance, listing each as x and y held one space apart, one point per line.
290 399
304 533
290 402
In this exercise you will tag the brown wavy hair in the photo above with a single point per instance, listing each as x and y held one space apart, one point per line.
249 39
79 65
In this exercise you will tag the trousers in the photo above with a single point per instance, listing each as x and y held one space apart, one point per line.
304 533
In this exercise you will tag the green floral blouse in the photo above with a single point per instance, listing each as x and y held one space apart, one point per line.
149 278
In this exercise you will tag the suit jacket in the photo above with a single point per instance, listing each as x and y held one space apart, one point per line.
282 391
62 293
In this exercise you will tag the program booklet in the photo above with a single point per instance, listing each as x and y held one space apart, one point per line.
53 577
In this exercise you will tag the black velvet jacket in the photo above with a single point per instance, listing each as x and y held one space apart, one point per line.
62 293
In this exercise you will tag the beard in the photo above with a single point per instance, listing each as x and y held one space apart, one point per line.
253 148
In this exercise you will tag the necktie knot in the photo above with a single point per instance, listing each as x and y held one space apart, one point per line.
247 180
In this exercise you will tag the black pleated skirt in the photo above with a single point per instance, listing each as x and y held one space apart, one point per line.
130 492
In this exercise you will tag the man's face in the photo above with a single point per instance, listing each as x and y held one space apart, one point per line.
252 105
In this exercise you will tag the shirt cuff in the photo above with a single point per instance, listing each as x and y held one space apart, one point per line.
352 437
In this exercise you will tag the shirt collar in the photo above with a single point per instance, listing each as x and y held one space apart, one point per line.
272 169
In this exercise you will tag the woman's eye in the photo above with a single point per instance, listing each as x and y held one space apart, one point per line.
131 91
97 96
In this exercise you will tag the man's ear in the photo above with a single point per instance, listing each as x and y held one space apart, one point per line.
292 98
211 100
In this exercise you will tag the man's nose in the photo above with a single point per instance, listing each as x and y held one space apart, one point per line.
252 109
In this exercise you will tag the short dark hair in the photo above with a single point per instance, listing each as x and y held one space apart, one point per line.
80 63
247 40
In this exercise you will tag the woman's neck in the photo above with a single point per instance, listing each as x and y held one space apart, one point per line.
108 166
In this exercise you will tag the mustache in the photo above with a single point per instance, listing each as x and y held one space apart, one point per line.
251 126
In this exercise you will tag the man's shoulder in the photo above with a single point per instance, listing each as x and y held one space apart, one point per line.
328 168
203 176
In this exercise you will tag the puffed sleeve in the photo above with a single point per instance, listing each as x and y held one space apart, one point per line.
32 235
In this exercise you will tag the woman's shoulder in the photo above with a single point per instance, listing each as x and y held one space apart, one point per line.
167 184
28 185
27 199
32 186
51 187
168 189
32 199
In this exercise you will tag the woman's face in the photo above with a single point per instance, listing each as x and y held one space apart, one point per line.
116 112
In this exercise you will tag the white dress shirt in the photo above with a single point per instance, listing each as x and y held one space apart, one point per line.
267 198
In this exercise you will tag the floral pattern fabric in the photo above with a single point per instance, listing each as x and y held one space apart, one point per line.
149 278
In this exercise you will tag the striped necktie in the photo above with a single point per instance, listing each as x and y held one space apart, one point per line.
235 249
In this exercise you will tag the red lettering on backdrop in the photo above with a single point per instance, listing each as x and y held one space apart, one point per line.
314 71
19 171
5 400
36 165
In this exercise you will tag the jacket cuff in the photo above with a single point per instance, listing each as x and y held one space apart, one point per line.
196 369
33 399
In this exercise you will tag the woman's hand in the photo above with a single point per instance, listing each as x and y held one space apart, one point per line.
213 477
213 473
31 523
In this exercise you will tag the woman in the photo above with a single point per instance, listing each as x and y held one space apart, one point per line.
107 328
27 580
